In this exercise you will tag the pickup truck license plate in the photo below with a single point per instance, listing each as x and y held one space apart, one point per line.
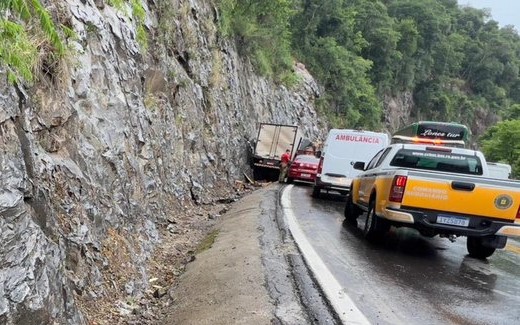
453 220
305 175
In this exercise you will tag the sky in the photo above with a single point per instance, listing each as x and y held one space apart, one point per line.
505 12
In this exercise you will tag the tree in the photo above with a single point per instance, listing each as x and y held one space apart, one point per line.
326 39
456 62
261 30
513 113
379 30
407 48
501 143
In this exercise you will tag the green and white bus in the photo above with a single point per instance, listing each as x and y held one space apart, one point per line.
436 133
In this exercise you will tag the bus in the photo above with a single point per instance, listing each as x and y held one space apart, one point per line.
436 133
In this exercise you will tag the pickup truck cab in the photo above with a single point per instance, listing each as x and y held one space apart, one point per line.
438 191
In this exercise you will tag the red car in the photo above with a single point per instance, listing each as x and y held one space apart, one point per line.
303 168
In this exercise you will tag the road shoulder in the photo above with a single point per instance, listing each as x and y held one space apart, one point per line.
226 283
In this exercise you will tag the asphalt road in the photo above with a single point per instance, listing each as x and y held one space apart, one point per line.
407 278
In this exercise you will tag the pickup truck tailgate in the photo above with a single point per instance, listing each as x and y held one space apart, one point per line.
476 196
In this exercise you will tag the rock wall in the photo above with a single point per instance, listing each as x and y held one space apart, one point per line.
397 111
117 139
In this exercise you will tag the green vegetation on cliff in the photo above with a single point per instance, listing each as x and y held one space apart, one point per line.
262 32
457 63
32 43
25 29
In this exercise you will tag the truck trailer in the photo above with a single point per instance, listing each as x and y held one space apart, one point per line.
271 142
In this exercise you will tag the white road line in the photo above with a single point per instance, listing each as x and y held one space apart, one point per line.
338 298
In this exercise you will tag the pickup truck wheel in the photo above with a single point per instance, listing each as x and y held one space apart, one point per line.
351 211
477 249
374 226
316 192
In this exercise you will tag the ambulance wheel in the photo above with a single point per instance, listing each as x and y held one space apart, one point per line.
352 211
316 192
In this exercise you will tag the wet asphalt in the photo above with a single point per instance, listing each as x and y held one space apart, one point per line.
407 278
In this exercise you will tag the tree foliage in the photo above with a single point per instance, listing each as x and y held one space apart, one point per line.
455 60
327 41
501 143
261 30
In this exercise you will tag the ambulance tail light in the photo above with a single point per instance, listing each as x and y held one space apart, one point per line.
397 189
320 166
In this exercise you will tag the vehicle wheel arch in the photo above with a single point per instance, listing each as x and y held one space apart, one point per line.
373 194
373 197
477 248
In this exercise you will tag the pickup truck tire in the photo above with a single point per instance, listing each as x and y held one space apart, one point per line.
352 211
477 249
316 192
375 226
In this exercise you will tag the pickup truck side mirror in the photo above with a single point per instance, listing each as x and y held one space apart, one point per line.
318 154
360 165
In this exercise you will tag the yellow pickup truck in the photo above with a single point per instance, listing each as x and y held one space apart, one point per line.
437 190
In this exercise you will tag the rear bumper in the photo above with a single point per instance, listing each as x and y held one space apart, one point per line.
272 166
302 175
333 183
427 222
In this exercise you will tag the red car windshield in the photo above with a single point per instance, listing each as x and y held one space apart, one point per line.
307 159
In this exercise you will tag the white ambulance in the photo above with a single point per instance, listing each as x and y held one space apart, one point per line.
499 170
342 149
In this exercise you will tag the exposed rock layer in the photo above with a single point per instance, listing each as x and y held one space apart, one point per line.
96 157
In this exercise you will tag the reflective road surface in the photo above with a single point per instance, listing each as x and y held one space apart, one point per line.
407 278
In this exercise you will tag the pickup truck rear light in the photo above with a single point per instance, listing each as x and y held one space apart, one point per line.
320 166
397 189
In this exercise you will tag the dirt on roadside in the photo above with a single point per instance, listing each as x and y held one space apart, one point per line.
186 235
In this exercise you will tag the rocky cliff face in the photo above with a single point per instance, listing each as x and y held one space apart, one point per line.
102 153
397 111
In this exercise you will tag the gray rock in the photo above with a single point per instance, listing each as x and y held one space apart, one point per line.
90 170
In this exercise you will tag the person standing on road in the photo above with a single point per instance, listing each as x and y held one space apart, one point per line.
284 165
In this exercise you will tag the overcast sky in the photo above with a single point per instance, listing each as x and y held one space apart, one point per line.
505 12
